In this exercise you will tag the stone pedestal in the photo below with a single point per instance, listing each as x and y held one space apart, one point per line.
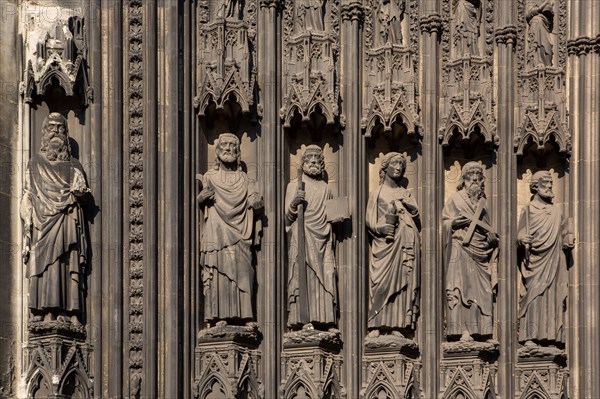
541 372
390 368
58 361
310 365
469 369
227 362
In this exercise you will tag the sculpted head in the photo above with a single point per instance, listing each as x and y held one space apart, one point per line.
472 180
313 162
55 138
541 184
392 165
227 148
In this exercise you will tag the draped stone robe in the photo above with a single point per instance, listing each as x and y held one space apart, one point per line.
544 276
539 40
468 271
58 241
394 272
320 258
226 247
468 16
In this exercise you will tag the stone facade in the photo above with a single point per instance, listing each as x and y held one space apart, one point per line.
148 87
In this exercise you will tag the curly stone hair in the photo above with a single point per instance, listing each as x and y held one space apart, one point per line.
387 158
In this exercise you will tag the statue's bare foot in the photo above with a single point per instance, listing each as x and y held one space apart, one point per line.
63 319
530 344
397 334
308 326
75 321
374 333
466 337
37 318
221 323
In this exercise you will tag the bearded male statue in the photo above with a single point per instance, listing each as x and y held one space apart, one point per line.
228 237
469 243
54 230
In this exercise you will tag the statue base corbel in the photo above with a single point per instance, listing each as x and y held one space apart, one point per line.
227 361
310 364
392 363
58 360
469 367
541 370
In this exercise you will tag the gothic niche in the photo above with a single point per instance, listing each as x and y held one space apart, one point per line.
467 46
311 31
227 56
59 58
390 65
314 216
541 54
391 359
545 239
470 253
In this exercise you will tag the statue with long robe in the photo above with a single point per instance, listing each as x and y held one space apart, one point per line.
544 238
388 22
540 19
467 17
228 237
54 230
318 299
309 15
469 257
394 272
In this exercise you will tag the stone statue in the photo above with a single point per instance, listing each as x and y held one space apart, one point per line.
312 275
389 17
469 243
544 236
228 237
54 229
539 41
394 266
467 15
230 9
310 15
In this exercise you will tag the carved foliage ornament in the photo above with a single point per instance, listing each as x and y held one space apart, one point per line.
60 55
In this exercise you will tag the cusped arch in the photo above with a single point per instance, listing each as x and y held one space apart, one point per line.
531 132
220 94
78 376
387 115
35 379
206 386
290 390
377 391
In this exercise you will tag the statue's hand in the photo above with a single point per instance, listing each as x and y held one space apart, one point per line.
256 201
26 250
569 242
298 199
525 239
460 222
206 194
493 239
388 230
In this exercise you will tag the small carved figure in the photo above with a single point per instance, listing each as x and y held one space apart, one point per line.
544 236
310 15
230 9
539 36
469 257
467 15
312 276
394 267
54 229
229 235
389 17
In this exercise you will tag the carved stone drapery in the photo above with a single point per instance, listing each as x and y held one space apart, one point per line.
543 114
60 55
390 90
468 105
227 57
311 66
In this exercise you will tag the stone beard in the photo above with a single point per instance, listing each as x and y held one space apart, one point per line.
468 266
227 238
54 226
543 230
394 273
320 267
